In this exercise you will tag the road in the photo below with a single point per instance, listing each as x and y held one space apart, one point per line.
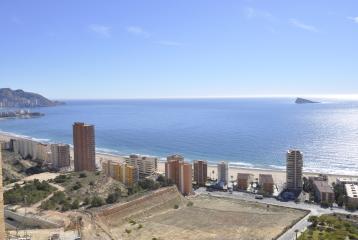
290 234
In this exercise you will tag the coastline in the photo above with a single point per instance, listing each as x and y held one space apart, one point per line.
279 175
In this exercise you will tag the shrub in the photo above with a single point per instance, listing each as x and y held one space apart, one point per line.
176 206
75 204
86 201
83 175
97 201
128 231
65 206
140 226
60 179
77 186
190 204
113 197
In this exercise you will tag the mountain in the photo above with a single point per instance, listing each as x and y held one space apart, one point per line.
22 99
303 101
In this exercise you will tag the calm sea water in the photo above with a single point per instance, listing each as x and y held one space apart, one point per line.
246 132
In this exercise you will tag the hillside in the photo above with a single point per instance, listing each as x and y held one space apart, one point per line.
21 99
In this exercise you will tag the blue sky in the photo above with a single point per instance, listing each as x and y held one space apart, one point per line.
184 48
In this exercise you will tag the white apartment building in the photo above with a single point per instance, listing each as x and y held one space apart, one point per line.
146 165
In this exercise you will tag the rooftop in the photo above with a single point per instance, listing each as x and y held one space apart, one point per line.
347 179
323 186
244 176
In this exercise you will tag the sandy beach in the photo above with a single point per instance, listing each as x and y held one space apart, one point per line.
279 176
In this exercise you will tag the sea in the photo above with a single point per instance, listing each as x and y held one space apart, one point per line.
246 132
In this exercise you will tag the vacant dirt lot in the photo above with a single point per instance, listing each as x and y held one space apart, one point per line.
210 218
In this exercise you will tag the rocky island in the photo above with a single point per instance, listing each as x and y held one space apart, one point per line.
21 99
303 101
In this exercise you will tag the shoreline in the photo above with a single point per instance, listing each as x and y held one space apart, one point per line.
279 175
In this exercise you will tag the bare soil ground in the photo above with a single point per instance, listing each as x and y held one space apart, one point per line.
210 218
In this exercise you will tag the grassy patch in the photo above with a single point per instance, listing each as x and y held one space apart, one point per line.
330 227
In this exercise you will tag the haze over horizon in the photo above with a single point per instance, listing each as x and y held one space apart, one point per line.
179 49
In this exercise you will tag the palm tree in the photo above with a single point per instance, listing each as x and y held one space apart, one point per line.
213 172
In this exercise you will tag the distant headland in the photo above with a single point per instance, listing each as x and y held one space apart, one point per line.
21 99
303 101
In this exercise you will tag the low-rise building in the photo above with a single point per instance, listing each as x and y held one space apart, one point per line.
266 182
146 165
352 194
323 191
244 180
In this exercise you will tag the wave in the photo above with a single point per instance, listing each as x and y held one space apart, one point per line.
335 168
10 134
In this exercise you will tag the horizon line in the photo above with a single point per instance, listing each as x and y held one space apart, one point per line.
314 96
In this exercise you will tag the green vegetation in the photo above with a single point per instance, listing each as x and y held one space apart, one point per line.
97 201
60 202
330 227
77 186
128 231
190 204
33 190
114 197
164 182
83 175
176 206
339 194
149 184
62 178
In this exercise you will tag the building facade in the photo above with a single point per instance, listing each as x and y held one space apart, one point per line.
323 191
244 180
146 165
266 182
122 172
352 194
180 173
84 147
172 168
294 164
223 172
28 148
60 156
200 172
186 178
